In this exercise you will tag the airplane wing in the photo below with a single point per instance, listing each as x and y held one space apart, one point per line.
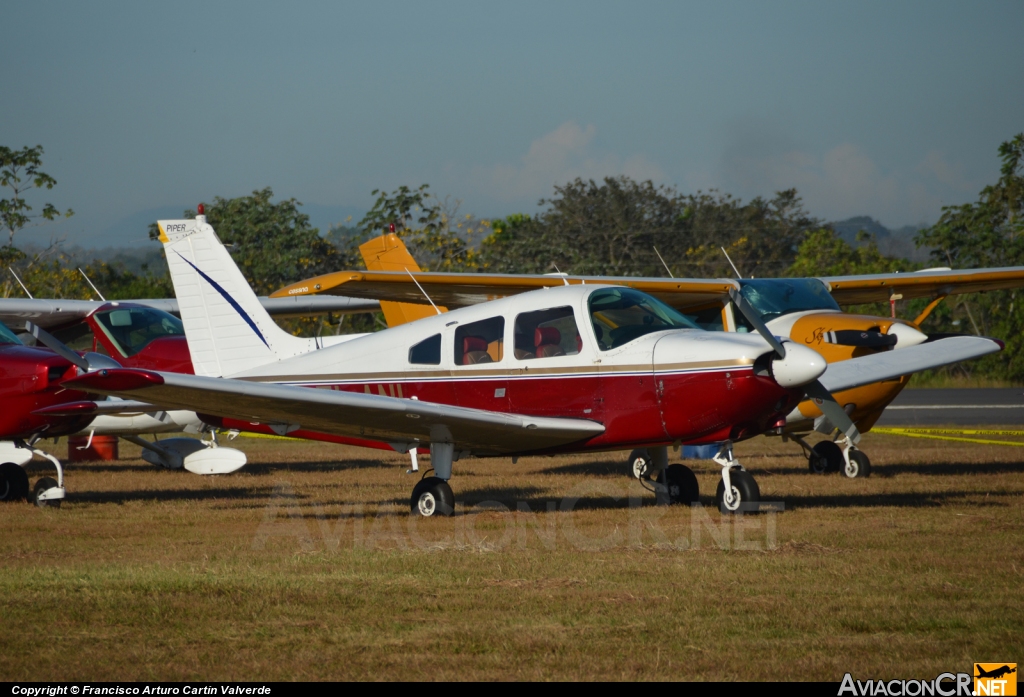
853 290
48 313
462 289
886 365
401 422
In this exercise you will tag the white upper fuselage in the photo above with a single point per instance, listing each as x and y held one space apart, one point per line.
387 353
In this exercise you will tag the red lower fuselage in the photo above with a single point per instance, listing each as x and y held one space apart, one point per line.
637 409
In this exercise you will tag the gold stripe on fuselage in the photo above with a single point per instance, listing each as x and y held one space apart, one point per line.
524 372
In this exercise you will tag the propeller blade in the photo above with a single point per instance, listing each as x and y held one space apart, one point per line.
831 409
752 315
52 343
855 337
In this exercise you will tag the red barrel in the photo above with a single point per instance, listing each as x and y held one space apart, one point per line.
102 448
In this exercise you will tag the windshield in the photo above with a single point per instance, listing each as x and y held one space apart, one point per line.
7 336
620 315
131 328
774 297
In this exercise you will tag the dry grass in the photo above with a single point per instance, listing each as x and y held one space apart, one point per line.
306 565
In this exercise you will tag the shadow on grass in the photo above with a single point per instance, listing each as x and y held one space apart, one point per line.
605 467
260 494
264 468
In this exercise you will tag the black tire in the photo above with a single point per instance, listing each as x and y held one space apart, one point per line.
681 483
432 497
42 485
745 492
859 466
639 463
826 457
13 482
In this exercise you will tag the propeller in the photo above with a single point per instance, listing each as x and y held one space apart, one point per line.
87 363
813 388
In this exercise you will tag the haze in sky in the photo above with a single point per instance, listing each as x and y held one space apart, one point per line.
870 108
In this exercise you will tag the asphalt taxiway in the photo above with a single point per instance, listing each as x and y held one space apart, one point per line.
958 407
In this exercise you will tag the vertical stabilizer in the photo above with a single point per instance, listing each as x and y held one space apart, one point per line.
228 330
389 253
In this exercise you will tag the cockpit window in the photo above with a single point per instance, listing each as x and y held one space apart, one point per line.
132 328
7 336
774 297
620 315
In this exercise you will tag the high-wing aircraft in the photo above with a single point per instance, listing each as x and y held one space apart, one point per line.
805 310
574 368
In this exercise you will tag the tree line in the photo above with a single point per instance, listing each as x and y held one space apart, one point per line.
613 227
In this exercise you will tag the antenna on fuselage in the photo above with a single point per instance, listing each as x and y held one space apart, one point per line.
564 280
734 269
91 284
670 274
422 291
20 283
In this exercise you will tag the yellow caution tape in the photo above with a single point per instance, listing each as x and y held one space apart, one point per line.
953 431
933 433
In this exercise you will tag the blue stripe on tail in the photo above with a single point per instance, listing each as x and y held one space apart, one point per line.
231 301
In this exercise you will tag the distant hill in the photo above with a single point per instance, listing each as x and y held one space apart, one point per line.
893 243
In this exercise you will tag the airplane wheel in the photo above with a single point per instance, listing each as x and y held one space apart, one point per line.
639 463
859 465
42 485
744 492
13 482
433 497
825 457
682 486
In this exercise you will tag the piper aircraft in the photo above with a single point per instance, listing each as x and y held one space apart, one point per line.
574 368
806 310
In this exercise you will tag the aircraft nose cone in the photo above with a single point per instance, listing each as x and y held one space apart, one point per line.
800 366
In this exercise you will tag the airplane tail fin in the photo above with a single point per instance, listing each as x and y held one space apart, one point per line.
228 330
389 253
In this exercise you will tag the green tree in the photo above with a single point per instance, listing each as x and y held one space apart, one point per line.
824 253
614 227
20 173
987 232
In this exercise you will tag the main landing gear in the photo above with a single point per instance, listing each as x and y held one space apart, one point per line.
835 456
14 486
677 484
432 496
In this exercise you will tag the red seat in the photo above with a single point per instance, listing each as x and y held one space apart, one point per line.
548 342
474 350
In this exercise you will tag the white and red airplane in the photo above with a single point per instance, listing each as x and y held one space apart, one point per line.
567 369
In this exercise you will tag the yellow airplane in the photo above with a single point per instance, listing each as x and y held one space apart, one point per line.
804 310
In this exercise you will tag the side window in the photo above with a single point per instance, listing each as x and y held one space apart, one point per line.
480 342
547 333
427 352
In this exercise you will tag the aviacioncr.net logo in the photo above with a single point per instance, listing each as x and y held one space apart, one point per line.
943 685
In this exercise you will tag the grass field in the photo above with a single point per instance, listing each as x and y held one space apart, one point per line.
306 565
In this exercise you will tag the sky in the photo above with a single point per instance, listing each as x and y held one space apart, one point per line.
885 109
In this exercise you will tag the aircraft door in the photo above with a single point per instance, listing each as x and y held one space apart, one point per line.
479 373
